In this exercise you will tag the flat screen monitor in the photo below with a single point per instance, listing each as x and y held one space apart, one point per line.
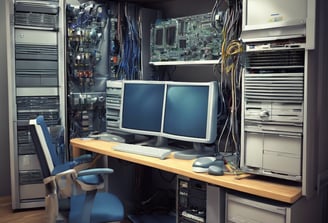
183 111
142 107
190 114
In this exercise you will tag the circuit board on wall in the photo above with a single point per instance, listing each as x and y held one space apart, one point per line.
187 38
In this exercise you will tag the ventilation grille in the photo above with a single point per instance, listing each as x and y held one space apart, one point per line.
36 19
281 87
37 102
30 107
32 67
51 116
38 52
26 149
275 58
30 177
36 7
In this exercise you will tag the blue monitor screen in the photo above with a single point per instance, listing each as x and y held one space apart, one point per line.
142 106
186 112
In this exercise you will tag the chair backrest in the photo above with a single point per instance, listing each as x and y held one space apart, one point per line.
43 138
44 163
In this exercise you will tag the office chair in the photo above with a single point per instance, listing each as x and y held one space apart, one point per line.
60 179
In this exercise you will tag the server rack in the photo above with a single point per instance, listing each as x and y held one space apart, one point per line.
273 109
191 200
35 83
278 132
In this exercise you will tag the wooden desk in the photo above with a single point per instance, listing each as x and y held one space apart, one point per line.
272 190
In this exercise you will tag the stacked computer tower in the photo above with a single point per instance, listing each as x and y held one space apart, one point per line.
276 113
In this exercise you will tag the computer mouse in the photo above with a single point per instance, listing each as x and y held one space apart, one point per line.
215 170
218 162
201 164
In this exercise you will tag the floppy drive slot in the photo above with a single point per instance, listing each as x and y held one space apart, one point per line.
281 163
277 153
282 154
274 111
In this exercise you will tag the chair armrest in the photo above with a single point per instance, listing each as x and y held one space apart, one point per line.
70 172
85 161
95 171
92 179
62 168
85 158
88 179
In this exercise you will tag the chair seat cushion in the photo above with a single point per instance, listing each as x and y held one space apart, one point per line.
107 208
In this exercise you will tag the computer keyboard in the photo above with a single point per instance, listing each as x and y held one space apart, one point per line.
143 150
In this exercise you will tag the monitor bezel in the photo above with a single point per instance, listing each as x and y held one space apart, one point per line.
212 108
132 130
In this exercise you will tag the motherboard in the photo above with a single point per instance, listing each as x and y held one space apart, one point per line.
196 37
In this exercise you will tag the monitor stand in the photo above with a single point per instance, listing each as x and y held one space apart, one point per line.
161 142
157 141
199 150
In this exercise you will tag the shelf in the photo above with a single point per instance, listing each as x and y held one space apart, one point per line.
195 62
